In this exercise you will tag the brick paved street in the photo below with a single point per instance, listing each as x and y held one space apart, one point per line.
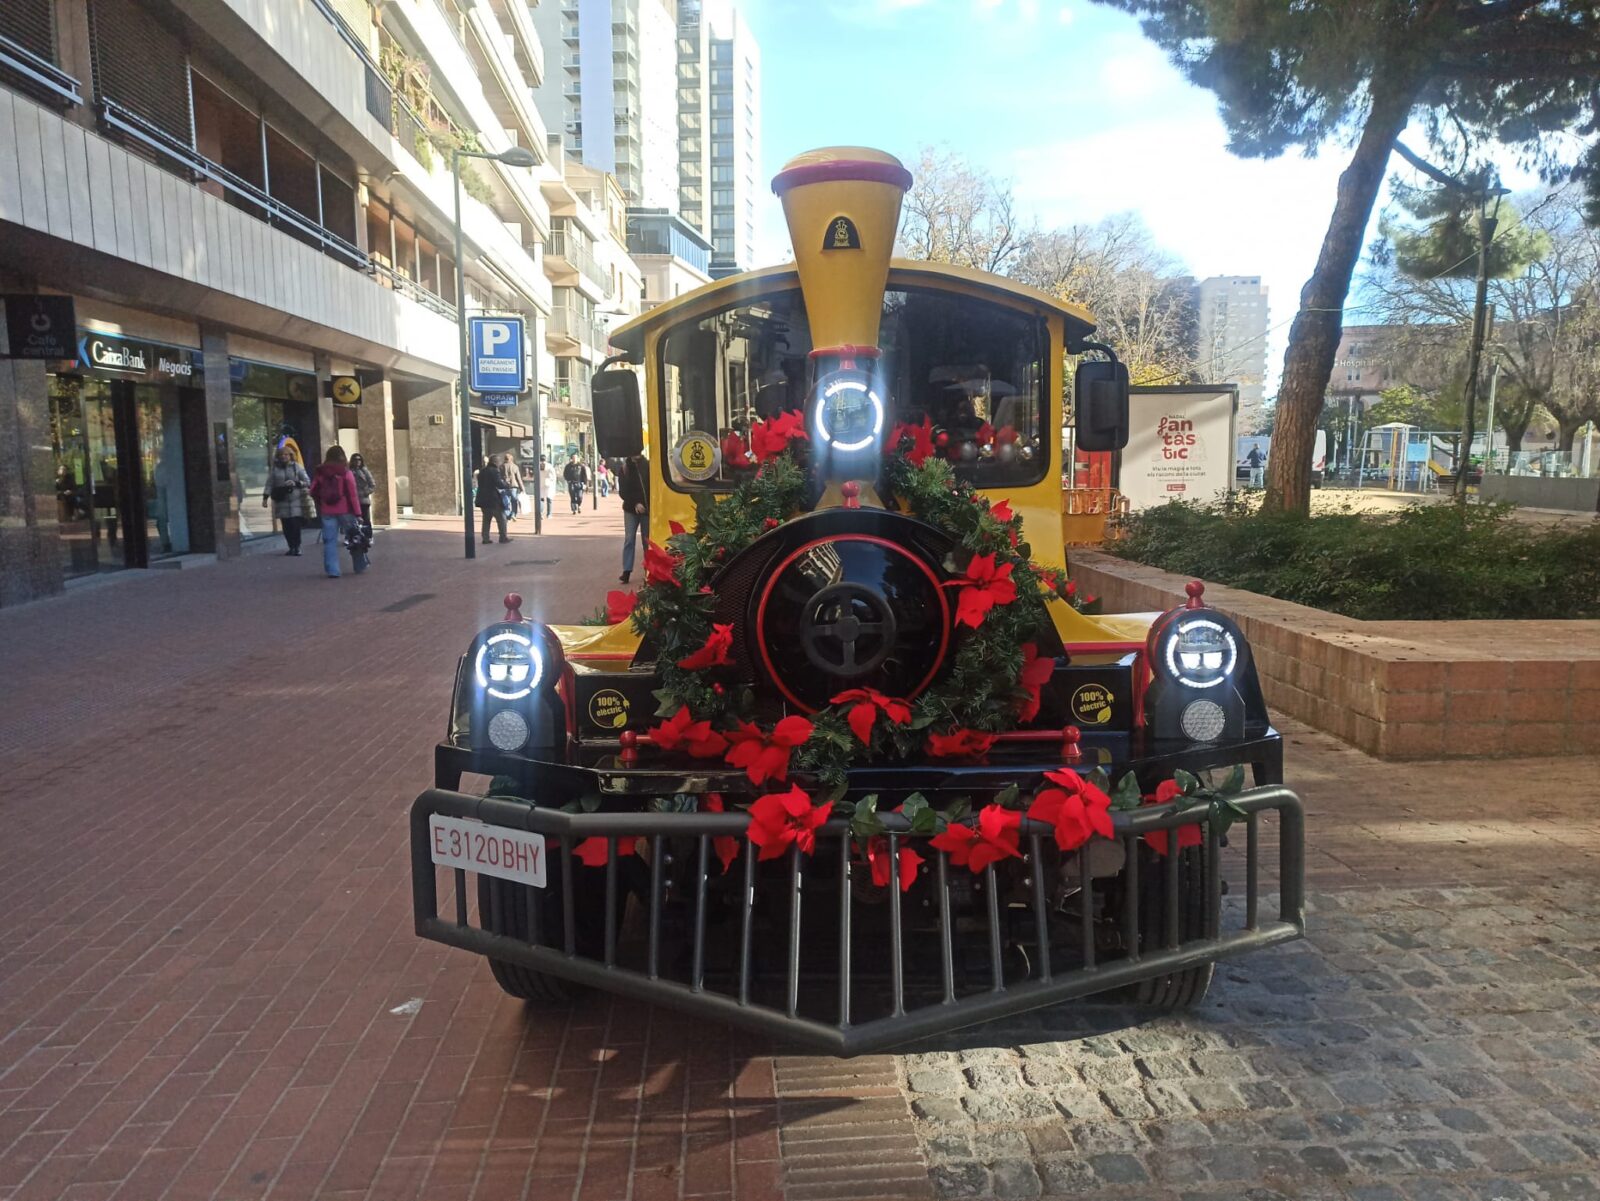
209 986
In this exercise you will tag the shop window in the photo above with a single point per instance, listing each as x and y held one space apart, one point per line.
228 134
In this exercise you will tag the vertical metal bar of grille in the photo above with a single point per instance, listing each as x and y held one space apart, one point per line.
946 935
1130 896
1170 864
653 956
1252 870
794 932
897 980
611 901
698 971
569 930
461 896
844 932
1041 909
747 906
1213 882
996 968
1086 905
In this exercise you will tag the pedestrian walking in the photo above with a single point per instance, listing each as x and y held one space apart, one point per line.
547 484
1254 461
577 477
512 475
603 475
490 500
287 486
338 504
365 487
633 487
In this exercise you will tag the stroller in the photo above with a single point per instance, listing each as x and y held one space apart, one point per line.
358 541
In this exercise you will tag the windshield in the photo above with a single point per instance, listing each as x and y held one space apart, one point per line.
975 368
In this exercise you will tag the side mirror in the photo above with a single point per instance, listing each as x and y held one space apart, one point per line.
1100 403
618 422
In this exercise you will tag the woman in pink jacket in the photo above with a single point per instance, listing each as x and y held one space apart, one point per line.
334 490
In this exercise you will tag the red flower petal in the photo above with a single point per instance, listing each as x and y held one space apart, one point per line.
860 719
715 651
620 605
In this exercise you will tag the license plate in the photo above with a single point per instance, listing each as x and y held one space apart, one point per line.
489 850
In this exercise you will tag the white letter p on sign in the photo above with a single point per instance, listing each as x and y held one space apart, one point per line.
495 335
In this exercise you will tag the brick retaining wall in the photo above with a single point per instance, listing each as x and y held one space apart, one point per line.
1397 689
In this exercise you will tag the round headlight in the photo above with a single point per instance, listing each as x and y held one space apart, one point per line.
1202 721
509 666
849 416
1200 651
508 730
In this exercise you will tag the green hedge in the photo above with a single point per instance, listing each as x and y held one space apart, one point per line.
1431 562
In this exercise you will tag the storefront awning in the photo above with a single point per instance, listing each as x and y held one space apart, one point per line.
502 427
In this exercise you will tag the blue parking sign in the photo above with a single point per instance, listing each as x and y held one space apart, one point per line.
496 354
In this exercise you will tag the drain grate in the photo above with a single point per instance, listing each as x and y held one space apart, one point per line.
533 562
408 602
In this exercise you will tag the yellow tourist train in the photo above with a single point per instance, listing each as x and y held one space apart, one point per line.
851 764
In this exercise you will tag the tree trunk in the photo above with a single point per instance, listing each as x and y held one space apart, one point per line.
1514 436
1568 434
1314 337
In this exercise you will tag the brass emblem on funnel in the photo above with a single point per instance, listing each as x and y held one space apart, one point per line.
842 235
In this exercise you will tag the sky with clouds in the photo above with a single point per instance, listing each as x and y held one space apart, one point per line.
1067 100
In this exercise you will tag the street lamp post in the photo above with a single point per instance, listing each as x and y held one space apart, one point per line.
517 156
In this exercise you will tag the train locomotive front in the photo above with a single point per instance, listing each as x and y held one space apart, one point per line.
855 764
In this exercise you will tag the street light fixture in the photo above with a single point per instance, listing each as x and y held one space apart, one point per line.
517 156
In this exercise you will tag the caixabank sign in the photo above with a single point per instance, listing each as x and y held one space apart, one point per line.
129 358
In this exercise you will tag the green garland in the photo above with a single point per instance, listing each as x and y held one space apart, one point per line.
982 690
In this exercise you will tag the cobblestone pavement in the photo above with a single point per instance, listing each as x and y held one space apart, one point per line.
209 987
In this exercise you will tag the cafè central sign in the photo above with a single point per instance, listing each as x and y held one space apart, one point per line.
116 355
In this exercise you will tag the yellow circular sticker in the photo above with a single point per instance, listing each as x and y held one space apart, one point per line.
696 456
1091 705
608 709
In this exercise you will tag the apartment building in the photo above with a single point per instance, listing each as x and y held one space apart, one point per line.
246 200
613 100
719 132
1232 342
671 256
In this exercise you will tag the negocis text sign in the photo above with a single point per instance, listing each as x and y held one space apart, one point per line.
496 354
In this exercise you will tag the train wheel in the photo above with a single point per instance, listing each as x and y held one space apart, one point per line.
1175 990
503 909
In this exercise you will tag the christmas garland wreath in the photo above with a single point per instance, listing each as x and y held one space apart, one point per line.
993 685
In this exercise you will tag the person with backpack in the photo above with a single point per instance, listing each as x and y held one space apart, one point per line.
366 485
338 504
287 486
577 477
633 489
491 499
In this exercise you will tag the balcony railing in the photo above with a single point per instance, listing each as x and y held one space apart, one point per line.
39 74
574 393
410 288
563 245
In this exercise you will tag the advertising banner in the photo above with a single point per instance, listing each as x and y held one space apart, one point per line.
1181 446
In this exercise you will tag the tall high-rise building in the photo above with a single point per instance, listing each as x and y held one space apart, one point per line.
614 97
719 132
1232 343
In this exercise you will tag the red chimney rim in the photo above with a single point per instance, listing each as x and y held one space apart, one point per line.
842 170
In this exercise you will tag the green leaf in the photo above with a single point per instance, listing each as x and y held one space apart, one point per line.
1127 794
1100 778
914 804
957 809
864 821
667 702
1233 783
1009 797
926 821
1186 781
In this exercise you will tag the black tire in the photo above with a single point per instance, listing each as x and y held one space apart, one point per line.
503 909
1174 990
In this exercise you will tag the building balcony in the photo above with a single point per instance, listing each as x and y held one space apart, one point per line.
573 392
566 255
572 63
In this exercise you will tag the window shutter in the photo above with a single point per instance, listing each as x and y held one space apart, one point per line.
31 25
140 65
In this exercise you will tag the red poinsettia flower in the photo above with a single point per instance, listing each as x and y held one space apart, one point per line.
675 527
921 441
1188 835
715 651
1006 433
879 860
994 839
1077 809
619 605
724 846
984 434
1002 512
735 452
959 743
593 852
660 565
985 585
682 731
766 756
780 820
869 702
1036 673
768 439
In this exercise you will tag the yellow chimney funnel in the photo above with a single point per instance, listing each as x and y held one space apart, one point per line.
842 204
